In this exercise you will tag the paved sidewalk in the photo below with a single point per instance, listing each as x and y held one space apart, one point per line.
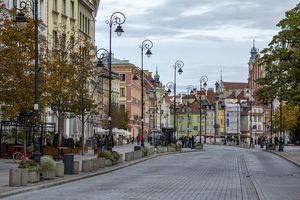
290 153
6 164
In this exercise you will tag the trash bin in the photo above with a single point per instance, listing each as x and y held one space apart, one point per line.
137 148
68 160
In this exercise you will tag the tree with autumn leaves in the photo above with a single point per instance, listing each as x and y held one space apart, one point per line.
17 66
65 70
69 68
281 60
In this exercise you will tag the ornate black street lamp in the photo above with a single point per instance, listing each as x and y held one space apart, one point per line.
178 65
146 45
21 19
117 18
202 81
188 109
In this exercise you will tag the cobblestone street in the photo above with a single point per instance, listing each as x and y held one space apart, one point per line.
218 172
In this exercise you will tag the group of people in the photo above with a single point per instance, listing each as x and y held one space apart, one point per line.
187 142
264 140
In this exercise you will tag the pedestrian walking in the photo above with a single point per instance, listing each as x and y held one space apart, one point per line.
138 138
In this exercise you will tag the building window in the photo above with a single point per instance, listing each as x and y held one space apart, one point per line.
55 5
122 108
85 28
88 28
122 92
72 9
42 9
122 77
55 39
80 22
64 7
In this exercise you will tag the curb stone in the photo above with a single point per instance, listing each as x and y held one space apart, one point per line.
83 175
282 156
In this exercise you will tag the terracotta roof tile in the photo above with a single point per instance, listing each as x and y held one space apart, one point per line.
234 85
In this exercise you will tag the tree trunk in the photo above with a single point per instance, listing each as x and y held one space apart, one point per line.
82 131
60 124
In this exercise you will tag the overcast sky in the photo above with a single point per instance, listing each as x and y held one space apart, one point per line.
207 35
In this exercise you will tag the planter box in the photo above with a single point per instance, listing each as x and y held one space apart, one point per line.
86 166
33 176
271 147
76 167
24 177
95 164
59 169
128 156
49 174
15 177
199 147
108 163
121 158
101 162
115 162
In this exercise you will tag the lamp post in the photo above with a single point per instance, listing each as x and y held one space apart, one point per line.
117 18
203 81
216 126
190 91
146 45
21 19
249 99
178 65
101 54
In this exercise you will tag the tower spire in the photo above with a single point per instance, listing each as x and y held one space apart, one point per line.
156 76
221 75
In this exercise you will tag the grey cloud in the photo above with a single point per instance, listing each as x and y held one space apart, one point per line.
167 21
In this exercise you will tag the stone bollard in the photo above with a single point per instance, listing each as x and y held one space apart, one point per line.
59 169
76 167
85 166
24 177
15 177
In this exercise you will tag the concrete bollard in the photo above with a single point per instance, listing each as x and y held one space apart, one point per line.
76 167
60 170
24 177
15 177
